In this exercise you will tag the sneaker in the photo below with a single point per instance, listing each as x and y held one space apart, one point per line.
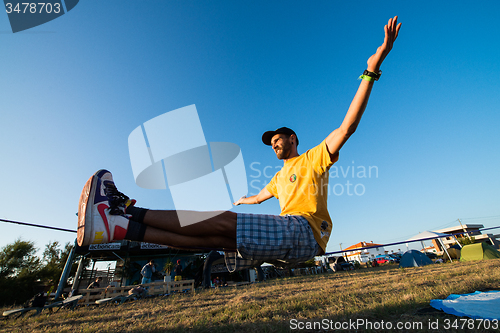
118 202
101 211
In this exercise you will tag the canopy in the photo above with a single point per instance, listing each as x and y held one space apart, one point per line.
427 235
430 235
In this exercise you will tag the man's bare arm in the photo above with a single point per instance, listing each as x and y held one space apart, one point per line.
263 195
338 137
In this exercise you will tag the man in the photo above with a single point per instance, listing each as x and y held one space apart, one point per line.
95 284
139 291
298 234
178 271
147 272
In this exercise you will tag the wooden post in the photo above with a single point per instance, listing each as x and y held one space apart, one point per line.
464 229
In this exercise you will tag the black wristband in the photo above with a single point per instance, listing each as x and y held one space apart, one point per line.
374 75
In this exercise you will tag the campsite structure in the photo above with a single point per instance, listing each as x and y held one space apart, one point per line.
130 257
469 230
363 255
435 236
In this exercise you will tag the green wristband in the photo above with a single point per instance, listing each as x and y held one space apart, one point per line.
366 78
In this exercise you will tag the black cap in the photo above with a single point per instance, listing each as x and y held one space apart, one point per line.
266 137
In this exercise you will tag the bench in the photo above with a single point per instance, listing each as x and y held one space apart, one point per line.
90 296
70 302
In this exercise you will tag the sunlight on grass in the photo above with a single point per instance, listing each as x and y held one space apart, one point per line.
387 293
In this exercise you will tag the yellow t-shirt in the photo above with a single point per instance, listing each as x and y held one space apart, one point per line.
301 186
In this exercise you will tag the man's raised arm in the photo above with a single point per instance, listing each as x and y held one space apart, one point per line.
263 195
338 137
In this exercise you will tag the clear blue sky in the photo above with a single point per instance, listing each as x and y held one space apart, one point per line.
73 89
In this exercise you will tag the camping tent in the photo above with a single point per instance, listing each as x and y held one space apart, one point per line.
454 251
478 251
426 235
414 258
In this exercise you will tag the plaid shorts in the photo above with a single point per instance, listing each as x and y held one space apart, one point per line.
279 240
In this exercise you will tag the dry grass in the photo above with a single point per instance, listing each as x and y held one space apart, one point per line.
385 293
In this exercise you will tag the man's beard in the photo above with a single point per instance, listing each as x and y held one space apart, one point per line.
285 151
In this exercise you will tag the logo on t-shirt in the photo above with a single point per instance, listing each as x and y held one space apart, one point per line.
293 178
324 227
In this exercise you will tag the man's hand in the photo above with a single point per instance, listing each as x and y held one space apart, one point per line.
391 33
239 202
338 137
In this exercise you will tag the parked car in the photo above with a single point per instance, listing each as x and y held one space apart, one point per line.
381 260
339 264
347 266
396 258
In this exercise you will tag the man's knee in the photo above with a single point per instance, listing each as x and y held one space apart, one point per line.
225 223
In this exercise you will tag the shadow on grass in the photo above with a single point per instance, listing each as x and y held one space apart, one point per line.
382 319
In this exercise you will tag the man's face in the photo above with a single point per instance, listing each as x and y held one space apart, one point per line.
282 146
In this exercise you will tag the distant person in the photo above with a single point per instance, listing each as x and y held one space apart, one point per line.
298 234
138 291
95 284
147 272
37 301
178 271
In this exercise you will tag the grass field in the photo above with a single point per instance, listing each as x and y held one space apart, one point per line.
365 297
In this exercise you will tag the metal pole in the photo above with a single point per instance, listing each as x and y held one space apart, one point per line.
343 254
76 281
65 272
445 250
464 229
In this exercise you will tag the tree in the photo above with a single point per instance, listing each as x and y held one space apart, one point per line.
463 240
19 271
23 274
54 261
18 259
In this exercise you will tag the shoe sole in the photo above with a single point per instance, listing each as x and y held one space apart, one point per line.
84 231
85 217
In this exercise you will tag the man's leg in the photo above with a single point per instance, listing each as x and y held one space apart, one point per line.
217 232
103 217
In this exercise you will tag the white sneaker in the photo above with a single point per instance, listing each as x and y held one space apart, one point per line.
101 212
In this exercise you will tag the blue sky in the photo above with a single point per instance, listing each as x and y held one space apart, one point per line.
73 89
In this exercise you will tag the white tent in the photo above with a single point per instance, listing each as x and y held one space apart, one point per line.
426 235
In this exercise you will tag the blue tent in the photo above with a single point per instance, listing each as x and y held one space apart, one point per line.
414 258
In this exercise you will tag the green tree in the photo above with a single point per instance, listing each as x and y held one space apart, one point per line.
54 260
18 259
19 271
464 240
23 274
51 260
